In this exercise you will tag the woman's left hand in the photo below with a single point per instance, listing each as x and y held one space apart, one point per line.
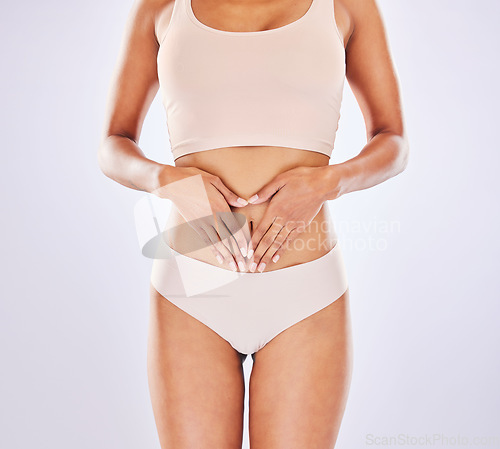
297 196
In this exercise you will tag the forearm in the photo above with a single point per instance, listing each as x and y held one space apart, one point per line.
383 157
121 159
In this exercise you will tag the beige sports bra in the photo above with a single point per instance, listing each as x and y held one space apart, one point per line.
278 87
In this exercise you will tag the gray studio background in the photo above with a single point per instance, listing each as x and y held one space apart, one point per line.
421 250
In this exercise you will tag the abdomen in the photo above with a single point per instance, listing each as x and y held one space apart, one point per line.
245 170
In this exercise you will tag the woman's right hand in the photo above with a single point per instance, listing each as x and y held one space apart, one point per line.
203 201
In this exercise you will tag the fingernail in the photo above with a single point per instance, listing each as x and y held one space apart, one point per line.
261 267
276 258
219 258
232 265
241 265
253 198
242 201
243 251
253 267
250 253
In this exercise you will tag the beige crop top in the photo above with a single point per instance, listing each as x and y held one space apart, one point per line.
278 87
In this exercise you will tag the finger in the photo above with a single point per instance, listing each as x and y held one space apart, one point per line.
263 246
223 232
247 236
231 197
263 226
221 247
237 254
280 245
208 243
266 192
236 239
229 231
237 224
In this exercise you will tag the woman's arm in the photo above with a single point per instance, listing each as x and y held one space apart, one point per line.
203 200
373 79
133 88
374 82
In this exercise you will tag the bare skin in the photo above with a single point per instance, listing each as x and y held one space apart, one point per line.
195 379
300 380
298 386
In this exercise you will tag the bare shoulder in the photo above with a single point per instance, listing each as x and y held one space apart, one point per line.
359 9
152 14
358 16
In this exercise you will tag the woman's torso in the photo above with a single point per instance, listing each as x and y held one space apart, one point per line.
246 169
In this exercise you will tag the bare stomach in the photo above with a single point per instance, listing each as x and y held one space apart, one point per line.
245 170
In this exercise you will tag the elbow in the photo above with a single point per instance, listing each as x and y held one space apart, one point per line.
102 159
403 154
397 150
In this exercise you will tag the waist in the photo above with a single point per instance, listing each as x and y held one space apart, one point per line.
245 170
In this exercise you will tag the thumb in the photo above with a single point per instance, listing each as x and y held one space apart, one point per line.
231 197
265 192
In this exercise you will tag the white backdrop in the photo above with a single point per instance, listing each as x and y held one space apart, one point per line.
421 249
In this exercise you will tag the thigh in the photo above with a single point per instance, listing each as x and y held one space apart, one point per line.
300 381
195 380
